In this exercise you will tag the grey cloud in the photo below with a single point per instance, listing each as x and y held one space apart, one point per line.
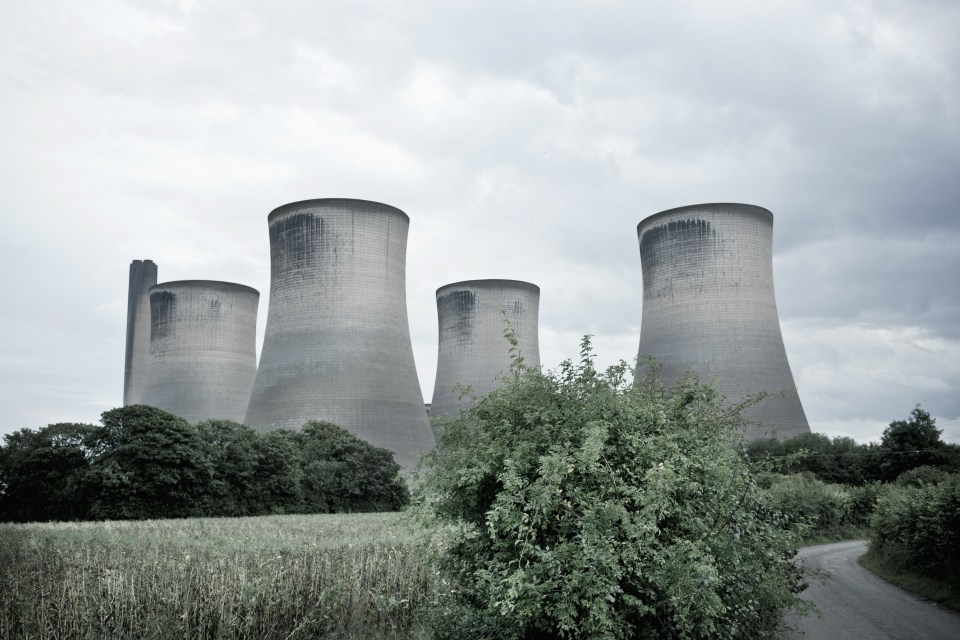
525 141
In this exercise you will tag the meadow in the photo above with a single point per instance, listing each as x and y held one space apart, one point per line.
342 576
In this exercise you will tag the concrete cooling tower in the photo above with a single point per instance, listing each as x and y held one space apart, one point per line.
143 275
708 305
203 358
472 348
337 343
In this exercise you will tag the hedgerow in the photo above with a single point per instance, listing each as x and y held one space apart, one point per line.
917 528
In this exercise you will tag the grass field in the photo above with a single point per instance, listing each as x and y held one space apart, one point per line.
348 576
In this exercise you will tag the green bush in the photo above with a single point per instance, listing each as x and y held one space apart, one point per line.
578 505
863 501
918 528
821 510
924 475
837 460
808 502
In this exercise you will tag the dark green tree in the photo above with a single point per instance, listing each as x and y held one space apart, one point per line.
149 464
41 471
840 460
233 450
912 443
579 505
342 473
279 473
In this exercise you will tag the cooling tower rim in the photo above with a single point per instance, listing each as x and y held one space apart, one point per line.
210 285
491 283
299 205
762 211
141 262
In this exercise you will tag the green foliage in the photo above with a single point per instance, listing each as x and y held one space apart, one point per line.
815 505
823 510
923 475
863 501
279 472
838 460
234 450
917 528
912 443
41 471
343 473
905 444
147 463
579 505
152 464
919 432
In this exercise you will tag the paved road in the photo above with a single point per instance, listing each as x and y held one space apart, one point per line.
857 605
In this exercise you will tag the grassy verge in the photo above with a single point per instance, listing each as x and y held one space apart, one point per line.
939 591
341 576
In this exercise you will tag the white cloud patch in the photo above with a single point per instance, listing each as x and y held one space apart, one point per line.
854 379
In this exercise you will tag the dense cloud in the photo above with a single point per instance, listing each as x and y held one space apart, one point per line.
524 139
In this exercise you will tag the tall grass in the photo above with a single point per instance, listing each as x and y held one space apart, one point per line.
290 577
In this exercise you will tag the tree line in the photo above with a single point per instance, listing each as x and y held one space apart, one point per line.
905 445
903 493
142 462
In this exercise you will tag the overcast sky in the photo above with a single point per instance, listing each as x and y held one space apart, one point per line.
525 140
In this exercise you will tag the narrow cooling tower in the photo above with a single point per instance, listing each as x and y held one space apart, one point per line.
337 342
708 305
202 349
472 348
143 275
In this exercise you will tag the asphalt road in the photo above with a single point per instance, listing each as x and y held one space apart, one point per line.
857 605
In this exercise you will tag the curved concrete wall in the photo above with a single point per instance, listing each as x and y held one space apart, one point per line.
337 343
203 357
143 275
709 305
472 348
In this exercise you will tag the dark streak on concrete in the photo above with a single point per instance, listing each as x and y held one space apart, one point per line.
460 305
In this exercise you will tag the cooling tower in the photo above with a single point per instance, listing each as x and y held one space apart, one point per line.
202 349
337 342
708 305
472 348
143 275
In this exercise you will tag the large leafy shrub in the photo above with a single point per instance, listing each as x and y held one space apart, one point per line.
579 505
821 508
917 528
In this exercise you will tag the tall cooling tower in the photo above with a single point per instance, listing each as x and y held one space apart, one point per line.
143 275
203 356
337 343
472 348
708 305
